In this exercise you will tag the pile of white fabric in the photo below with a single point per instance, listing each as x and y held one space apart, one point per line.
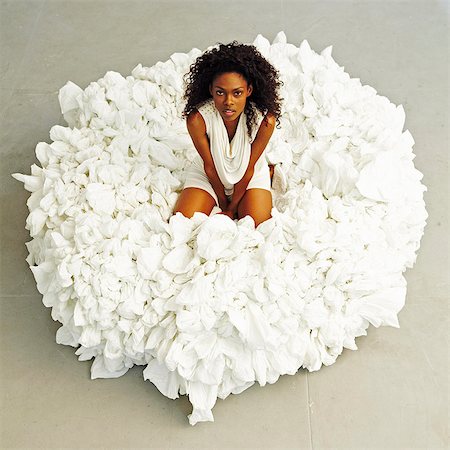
210 305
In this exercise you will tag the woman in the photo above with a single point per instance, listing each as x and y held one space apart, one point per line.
232 107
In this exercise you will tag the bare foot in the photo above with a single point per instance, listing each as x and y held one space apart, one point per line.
272 169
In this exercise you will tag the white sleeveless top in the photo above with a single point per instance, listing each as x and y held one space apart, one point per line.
230 158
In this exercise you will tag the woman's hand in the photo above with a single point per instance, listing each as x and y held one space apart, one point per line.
227 208
240 189
223 203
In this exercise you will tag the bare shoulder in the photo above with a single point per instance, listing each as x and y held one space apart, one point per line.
267 124
195 120
269 119
196 124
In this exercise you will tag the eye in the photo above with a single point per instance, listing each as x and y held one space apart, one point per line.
236 93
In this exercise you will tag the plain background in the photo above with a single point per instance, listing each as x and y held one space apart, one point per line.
390 393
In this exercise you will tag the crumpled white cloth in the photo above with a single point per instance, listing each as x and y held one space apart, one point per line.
208 304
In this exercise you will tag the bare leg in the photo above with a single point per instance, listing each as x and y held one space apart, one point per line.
193 199
256 203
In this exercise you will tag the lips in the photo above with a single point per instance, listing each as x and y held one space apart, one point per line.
228 112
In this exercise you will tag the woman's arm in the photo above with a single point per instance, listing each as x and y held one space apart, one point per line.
197 130
259 144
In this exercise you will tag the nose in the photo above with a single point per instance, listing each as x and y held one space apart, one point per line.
228 100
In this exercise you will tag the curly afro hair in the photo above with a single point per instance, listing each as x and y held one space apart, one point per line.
245 60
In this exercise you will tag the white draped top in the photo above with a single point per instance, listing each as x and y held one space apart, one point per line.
230 158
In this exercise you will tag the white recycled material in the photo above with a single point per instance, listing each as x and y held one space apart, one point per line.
212 305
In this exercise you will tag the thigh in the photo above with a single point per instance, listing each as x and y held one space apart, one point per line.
256 203
194 199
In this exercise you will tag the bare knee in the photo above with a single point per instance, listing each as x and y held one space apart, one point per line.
259 218
256 203
192 200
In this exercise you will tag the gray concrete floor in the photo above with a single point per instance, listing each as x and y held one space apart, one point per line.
391 393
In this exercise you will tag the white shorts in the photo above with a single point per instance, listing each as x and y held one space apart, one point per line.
196 177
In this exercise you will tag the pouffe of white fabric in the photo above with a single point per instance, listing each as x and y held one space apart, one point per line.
209 304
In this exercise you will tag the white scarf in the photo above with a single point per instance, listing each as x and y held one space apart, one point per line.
230 168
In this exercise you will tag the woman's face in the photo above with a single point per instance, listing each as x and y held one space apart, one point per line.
230 91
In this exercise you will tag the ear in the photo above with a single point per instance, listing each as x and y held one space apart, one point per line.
210 88
249 90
